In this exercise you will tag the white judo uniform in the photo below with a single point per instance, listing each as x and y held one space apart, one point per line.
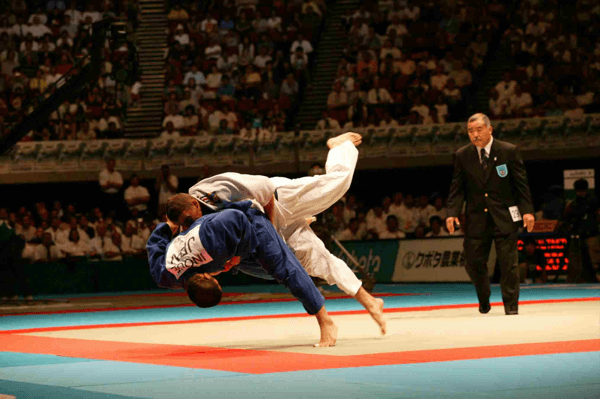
297 200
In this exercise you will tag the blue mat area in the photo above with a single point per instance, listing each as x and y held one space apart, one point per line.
431 295
35 391
14 359
547 376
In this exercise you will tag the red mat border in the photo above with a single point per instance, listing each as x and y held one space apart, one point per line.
285 315
182 305
263 362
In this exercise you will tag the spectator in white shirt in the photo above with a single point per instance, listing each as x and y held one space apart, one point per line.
536 27
406 66
137 196
337 98
180 35
396 204
92 13
349 208
112 247
230 117
498 108
74 13
398 27
37 29
76 247
346 81
391 230
97 243
213 51
262 58
575 110
425 209
439 80
47 251
248 133
111 182
174 118
352 232
439 209
436 228
214 119
452 93
379 95
388 121
170 132
54 228
461 76
166 185
26 229
131 243
301 42
520 102
299 60
419 107
506 87
389 49
408 215
327 123
376 221
195 74
412 12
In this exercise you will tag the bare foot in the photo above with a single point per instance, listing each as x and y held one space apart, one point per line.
329 333
376 313
355 138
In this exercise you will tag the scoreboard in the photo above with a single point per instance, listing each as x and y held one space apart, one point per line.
553 250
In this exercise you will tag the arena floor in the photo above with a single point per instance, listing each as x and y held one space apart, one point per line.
259 344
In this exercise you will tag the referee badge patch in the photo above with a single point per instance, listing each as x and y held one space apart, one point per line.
502 170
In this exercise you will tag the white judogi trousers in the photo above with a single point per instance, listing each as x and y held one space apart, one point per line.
308 196
298 199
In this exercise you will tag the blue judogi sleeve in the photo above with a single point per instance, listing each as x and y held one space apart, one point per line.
157 248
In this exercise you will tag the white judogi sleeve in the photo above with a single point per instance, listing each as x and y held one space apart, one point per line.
233 187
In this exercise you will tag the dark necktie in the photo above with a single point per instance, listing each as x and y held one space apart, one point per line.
484 159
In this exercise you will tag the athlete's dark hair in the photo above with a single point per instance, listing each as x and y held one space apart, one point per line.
203 292
177 204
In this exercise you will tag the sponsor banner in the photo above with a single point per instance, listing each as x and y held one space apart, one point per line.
224 147
377 257
135 153
158 154
71 154
92 158
285 150
48 156
264 153
378 142
313 145
180 148
434 259
401 140
25 157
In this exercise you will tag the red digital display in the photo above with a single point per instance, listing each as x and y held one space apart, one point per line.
553 251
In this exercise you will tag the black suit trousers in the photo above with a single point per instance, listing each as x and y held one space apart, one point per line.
477 252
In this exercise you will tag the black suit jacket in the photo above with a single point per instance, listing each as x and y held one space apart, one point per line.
502 185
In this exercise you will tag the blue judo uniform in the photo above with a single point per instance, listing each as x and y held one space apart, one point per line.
214 239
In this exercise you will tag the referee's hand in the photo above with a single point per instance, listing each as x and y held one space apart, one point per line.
450 224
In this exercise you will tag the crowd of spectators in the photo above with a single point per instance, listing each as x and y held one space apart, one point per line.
410 63
557 69
237 67
42 41
117 229
402 216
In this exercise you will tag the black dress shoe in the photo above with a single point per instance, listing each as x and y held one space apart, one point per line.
511 312
484 308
